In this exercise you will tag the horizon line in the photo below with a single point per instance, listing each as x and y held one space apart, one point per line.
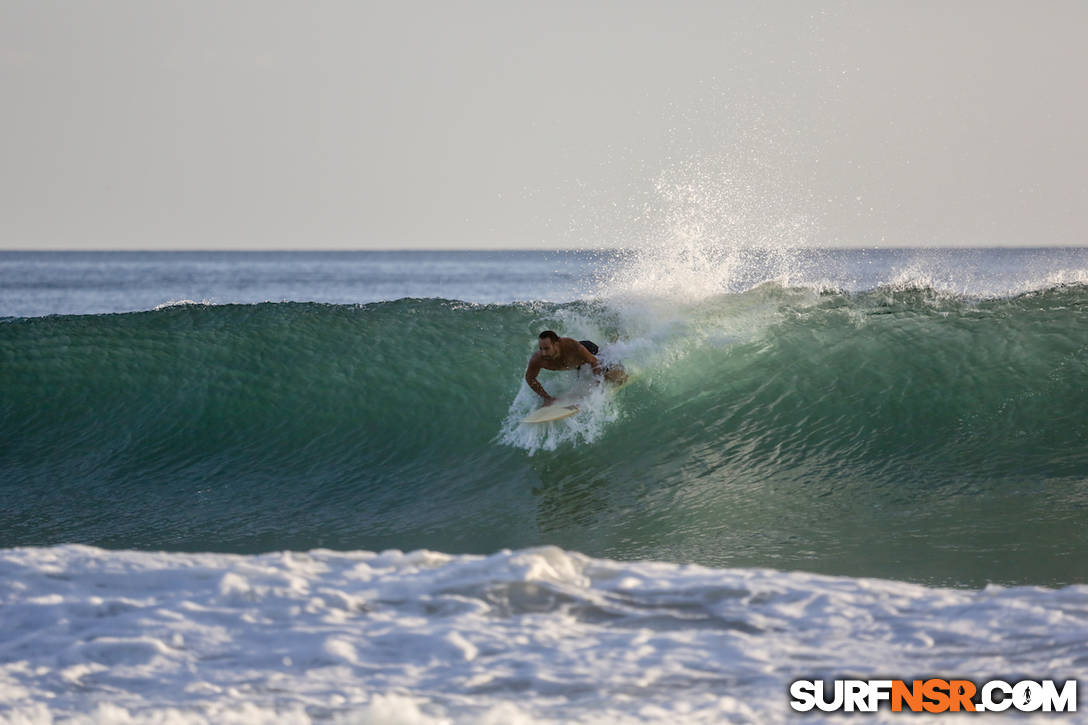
299 250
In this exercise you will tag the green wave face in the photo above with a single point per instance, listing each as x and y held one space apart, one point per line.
894 433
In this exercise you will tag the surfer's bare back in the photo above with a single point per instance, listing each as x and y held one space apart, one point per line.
566 353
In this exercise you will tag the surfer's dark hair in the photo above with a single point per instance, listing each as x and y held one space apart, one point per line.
550 335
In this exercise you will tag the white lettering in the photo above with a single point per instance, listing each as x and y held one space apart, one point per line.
879 690
988 701
855 695
1027 696
1065 701
821 698
803 693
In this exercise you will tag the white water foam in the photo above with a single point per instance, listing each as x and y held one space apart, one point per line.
597 407
182 303
532 636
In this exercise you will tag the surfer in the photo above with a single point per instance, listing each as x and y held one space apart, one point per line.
566 353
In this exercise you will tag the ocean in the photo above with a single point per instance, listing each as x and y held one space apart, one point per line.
293 486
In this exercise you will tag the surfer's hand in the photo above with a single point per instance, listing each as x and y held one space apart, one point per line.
549 401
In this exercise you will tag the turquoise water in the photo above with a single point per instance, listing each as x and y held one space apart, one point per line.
901 420
309 497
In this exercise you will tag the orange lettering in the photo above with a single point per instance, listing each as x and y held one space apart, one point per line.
960 694
912 695
936 691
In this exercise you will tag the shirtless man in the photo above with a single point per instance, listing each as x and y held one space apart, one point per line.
566 353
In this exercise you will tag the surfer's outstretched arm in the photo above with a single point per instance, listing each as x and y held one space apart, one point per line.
530 378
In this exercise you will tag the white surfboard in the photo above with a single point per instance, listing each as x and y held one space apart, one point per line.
548 413
563 407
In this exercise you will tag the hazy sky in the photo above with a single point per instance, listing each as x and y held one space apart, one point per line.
329 124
